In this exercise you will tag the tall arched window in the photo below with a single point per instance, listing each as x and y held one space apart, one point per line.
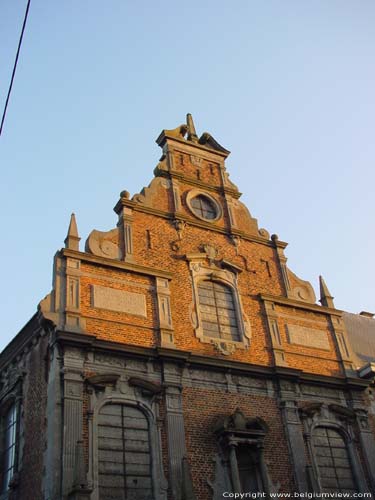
124 455
333 461
218 311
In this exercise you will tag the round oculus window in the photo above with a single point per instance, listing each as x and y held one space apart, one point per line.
204 207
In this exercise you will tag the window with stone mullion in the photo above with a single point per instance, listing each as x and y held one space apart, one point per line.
333 461
124 453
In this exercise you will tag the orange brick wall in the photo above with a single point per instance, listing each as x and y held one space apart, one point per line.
203 407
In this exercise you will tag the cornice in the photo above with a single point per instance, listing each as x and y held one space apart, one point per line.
209 362
174 174
22 340
165 139
117 264
211 226
300 305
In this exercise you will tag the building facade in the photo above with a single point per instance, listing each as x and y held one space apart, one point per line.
179 358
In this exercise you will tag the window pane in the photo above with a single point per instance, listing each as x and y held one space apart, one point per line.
124 454
9 451
217 310
204 207
333 461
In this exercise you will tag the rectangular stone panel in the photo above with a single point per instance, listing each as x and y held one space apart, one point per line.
309 337
119 300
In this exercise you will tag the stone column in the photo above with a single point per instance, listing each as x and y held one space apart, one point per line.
264 470
234 468
293 429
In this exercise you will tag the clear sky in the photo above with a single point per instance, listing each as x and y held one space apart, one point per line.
287 86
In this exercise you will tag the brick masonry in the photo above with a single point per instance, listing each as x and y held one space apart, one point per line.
111 343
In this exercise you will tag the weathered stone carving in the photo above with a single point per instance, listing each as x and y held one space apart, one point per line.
309 337
303 291
224 347
180 226
104 244
264 233
119 300
149 195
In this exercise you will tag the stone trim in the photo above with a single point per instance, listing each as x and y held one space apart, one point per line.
343 344
335 417
169 144
201 272
123 393
133 284
210 362
277 347
126 233
299 304
201 224
193 193
163 296
122 301
86 257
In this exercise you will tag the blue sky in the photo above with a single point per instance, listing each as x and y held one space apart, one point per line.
287 86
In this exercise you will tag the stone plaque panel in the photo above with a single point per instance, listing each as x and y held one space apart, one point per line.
309 337
119 300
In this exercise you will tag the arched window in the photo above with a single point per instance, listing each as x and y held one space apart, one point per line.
8 446
218 311
124 455
333 461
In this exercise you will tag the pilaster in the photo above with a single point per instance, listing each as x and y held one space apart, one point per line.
293 429
126 233
53 453
72 375
277 347
165 315
73 319
176 438
343 344
368 444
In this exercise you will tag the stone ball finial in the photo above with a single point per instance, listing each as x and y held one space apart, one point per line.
125 194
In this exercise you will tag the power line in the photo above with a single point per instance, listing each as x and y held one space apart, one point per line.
14 67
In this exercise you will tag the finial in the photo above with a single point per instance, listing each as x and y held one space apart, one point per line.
326 298
72 239
192 135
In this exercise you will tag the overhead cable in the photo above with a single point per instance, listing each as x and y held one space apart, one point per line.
14 67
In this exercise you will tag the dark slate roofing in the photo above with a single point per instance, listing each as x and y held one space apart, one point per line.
361 332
